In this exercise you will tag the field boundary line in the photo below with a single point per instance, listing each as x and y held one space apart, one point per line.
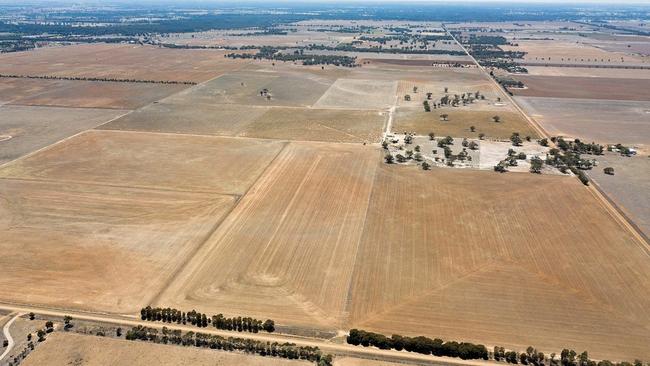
45 148
189 258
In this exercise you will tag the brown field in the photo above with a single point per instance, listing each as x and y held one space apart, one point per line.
499 259
359 94
592 120
32 128
484 87
569 52
588 72
200 119
149 160
584 87
286 88
95 247
63 349
418 121
17 88
307 124
288 249
120 61
94 94
629 186
333 125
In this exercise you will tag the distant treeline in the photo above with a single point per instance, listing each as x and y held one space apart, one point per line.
271 53
81 78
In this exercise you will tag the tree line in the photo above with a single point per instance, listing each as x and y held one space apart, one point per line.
272 53
82 78
202 340
420 344
240 324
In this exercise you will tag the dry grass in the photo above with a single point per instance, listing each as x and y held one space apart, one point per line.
459 123
32 128
62 349
287 251
569 52
359 94
148 160
584 87
120 61
95 247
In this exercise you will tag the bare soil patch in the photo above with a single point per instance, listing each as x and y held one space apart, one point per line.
32 128
95 247
584 87
120 61
62 349
588 72
161 161
459 123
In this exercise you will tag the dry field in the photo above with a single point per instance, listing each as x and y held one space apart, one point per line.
17 88
629 186
584 87
333 125
459 122
199 119
286 89
308 124
569 52
588 72
484 87
92 94
120 61
95 247
359 94
63 349
287 251
592 120
514 260
32 128
151 160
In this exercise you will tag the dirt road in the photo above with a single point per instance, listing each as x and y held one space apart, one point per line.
5 331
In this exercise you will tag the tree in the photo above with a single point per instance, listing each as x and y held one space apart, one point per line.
609 170
41 335
516 140
521 156
472 128
417 156
496 119
543 142
49 326
444 117
473 145
425 166
417 148
32 316
384 144
400 158
389 158
481 136
427 107
407 98
67 321
5 343
118 332
269 326
432 136
536 165
446 90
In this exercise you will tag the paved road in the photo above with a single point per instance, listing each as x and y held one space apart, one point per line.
5 331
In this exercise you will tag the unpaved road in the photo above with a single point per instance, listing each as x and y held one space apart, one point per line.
5 331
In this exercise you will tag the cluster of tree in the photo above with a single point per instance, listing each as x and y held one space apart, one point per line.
81 78
240 324
16 45
202 340
489 40
423 345
578 146
347 47
272 53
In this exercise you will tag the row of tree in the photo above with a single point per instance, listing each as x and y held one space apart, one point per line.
82 78
202 340
423 345
240 324
271 53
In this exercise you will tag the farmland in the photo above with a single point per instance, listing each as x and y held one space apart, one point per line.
302 185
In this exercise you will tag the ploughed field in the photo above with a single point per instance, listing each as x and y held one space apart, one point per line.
261 192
